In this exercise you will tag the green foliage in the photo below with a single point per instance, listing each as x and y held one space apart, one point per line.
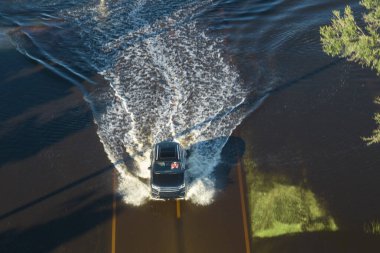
375 138
344 38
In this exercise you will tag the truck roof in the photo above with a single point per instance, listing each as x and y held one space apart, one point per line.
167 152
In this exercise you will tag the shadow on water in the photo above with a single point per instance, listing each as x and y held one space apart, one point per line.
54 193
27 122
232 152
305 76
45 237
21 91
58 216
31 136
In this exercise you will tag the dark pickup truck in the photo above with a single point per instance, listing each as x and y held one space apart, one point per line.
168 171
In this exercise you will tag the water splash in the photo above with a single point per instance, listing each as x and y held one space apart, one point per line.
168 79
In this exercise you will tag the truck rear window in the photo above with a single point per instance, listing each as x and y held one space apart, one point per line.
166 153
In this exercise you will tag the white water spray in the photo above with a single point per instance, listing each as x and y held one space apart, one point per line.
168 80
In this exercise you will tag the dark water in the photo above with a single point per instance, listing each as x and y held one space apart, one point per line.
194 71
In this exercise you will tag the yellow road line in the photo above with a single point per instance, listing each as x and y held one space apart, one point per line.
243 209
113 239
178 209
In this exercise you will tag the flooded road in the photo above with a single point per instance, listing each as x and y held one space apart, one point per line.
87 88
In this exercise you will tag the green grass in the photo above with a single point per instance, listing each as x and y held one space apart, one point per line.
372 227
278 208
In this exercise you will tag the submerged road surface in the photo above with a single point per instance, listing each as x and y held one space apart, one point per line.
58 190
180 226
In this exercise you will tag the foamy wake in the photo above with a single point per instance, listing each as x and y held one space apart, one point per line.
168 80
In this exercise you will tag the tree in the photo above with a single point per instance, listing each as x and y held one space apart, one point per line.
346 39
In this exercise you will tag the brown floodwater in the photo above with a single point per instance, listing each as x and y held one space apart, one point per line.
88 86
